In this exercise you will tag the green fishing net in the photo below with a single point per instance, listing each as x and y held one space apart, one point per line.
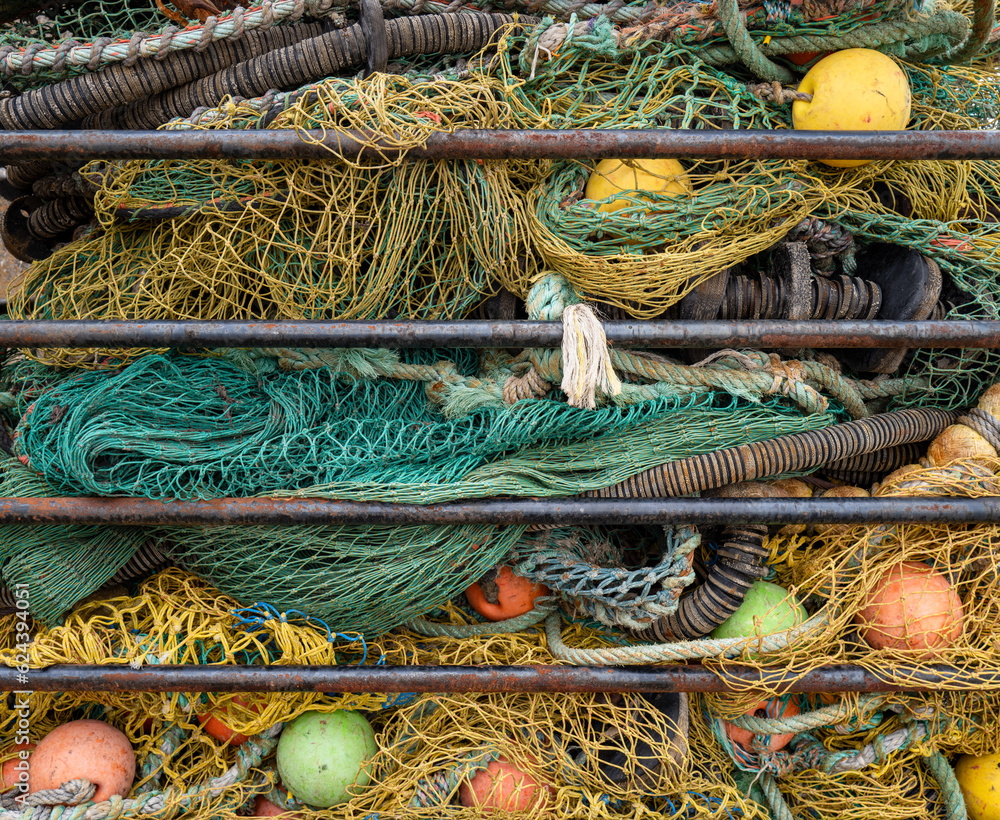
196 427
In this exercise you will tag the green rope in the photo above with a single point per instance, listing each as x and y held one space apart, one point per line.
744 46
775 800
543 608
804 722
951 793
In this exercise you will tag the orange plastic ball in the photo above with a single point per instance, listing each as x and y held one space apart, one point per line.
513 595
912 607
84 749
764 709
222 732
262 807
502 786
10 771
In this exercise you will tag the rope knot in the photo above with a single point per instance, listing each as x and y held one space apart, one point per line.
774 92
787 375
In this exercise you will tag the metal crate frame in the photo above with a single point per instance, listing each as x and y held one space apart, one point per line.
481 144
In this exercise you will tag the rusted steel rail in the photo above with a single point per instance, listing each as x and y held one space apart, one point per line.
541 678
584 511
496 333
503 144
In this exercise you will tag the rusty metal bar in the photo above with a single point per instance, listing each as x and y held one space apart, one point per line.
586 511
674 678
504 144
495 333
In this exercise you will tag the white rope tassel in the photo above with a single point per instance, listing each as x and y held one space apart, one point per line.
585 360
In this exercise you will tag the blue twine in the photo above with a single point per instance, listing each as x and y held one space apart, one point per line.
258 614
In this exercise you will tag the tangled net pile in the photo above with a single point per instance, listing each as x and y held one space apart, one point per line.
368 233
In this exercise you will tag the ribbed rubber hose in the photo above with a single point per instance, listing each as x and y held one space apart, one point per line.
58 216
22 175
739 564
865 470
118 84
309 60
785 454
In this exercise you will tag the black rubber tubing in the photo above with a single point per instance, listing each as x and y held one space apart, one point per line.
781 455
309 60
866 469
739 565
118 84
58 216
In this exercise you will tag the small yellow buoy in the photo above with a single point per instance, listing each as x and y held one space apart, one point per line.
979 778
857 89
666 177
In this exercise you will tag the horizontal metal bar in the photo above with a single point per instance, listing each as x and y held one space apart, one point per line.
495 333
504 144
589 511
541 678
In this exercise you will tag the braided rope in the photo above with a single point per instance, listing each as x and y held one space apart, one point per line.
804 722
745 48
775 801
543 608
951 793
983 423
435 789
680 651
911 39
614 596
104 52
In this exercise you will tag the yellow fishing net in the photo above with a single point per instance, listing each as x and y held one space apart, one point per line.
383 237
604 755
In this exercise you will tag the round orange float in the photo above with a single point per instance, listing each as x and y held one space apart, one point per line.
216 728
12 768
911 607
502 786
764 709
84 749
500 594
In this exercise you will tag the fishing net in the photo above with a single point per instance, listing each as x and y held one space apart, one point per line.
202 427
605 755
219 239
194 427
304 239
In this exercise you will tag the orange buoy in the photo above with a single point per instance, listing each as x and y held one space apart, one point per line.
262 807
221 731
502 786
765 709
84 749
500 594
15 769
912 607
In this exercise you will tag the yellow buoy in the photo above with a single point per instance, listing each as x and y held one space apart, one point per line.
666 177
979 778
857 89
